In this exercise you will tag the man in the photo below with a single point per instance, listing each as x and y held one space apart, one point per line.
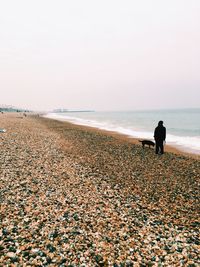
159 136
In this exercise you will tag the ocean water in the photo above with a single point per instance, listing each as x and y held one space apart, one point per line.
183 125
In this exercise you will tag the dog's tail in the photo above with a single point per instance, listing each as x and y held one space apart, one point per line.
140 141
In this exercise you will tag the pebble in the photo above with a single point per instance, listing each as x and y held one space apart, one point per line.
11 254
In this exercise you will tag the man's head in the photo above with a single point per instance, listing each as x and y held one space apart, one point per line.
160 123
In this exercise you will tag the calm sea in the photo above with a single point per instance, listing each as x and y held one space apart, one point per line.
183 125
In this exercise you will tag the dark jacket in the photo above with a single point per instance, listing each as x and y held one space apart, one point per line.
160 133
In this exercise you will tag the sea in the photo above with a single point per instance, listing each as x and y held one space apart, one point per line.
182 125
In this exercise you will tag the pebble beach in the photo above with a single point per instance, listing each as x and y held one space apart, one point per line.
75 196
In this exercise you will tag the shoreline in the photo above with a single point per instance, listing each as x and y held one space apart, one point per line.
76 196
168 148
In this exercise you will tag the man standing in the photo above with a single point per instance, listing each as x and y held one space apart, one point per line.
159 136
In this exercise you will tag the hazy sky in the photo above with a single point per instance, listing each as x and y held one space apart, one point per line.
100 54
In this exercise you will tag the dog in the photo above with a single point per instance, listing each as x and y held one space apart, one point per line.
147 142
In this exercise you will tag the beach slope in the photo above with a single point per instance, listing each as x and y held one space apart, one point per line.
76 196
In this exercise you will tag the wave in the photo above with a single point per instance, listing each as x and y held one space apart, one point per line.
185 143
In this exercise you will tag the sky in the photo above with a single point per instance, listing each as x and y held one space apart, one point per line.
100 55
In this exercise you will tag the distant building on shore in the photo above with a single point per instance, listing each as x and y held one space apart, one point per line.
8 108
60 110
64 110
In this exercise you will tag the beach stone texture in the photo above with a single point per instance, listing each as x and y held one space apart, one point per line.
75 196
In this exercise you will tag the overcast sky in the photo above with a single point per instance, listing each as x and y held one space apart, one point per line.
100 54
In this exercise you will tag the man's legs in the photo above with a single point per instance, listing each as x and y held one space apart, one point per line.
159 147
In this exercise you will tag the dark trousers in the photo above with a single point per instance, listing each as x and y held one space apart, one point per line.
159 147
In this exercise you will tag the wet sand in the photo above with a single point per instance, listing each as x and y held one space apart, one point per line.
79 196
